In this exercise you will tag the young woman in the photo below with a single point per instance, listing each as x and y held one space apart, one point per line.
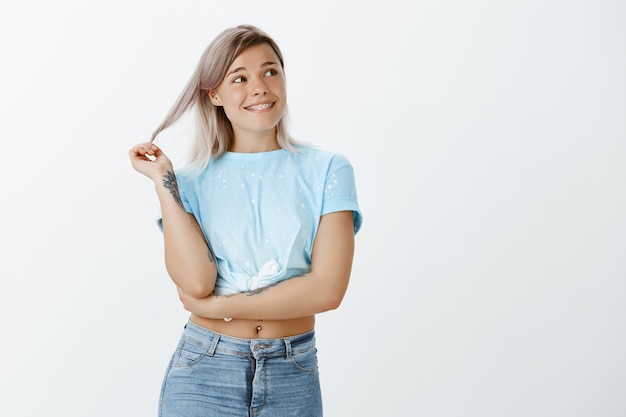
258 237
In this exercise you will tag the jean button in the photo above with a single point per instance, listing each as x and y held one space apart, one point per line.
257 347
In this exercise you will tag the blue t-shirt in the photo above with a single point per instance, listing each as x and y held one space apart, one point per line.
260 211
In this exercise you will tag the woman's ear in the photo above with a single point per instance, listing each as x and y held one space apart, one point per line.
215 99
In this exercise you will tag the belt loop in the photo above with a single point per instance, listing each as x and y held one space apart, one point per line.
287 347
216 338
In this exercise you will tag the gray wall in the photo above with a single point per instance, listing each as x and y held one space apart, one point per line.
488 140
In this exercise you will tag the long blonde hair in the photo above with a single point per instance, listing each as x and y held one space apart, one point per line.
214 132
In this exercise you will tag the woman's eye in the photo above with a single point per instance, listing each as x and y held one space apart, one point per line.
270 72
239 80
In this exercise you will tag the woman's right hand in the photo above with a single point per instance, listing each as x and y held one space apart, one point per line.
148 159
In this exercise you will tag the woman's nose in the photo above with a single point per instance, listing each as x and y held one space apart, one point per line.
259 88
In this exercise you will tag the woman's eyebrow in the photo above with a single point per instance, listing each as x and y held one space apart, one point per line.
265 64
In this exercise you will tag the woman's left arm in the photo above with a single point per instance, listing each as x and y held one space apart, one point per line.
320 290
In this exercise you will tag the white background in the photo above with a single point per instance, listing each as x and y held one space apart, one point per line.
489 144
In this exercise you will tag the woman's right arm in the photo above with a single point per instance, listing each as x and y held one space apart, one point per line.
188 257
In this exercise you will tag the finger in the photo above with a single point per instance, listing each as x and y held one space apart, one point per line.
156 151
140 149
145 151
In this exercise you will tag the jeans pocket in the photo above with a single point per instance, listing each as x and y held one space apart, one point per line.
189 353
305 361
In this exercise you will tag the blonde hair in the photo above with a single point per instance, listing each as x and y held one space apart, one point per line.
214 132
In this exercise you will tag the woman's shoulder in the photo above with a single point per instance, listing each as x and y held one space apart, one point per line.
316 153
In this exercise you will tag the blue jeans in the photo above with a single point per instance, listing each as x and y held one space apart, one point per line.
211 374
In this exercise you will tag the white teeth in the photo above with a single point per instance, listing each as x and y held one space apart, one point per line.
261 106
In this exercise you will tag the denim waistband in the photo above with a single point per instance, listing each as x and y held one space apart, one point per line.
219 343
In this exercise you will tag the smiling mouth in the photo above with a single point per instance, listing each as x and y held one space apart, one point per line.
260 106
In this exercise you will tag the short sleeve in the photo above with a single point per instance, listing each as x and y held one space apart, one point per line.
340 190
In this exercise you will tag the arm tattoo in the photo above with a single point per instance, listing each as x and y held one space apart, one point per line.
210 253
169 182
262 289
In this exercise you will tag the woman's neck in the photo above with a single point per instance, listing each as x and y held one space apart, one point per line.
252 143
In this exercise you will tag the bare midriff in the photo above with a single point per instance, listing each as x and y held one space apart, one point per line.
257 329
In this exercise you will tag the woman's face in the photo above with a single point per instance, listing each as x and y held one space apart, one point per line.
253 91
